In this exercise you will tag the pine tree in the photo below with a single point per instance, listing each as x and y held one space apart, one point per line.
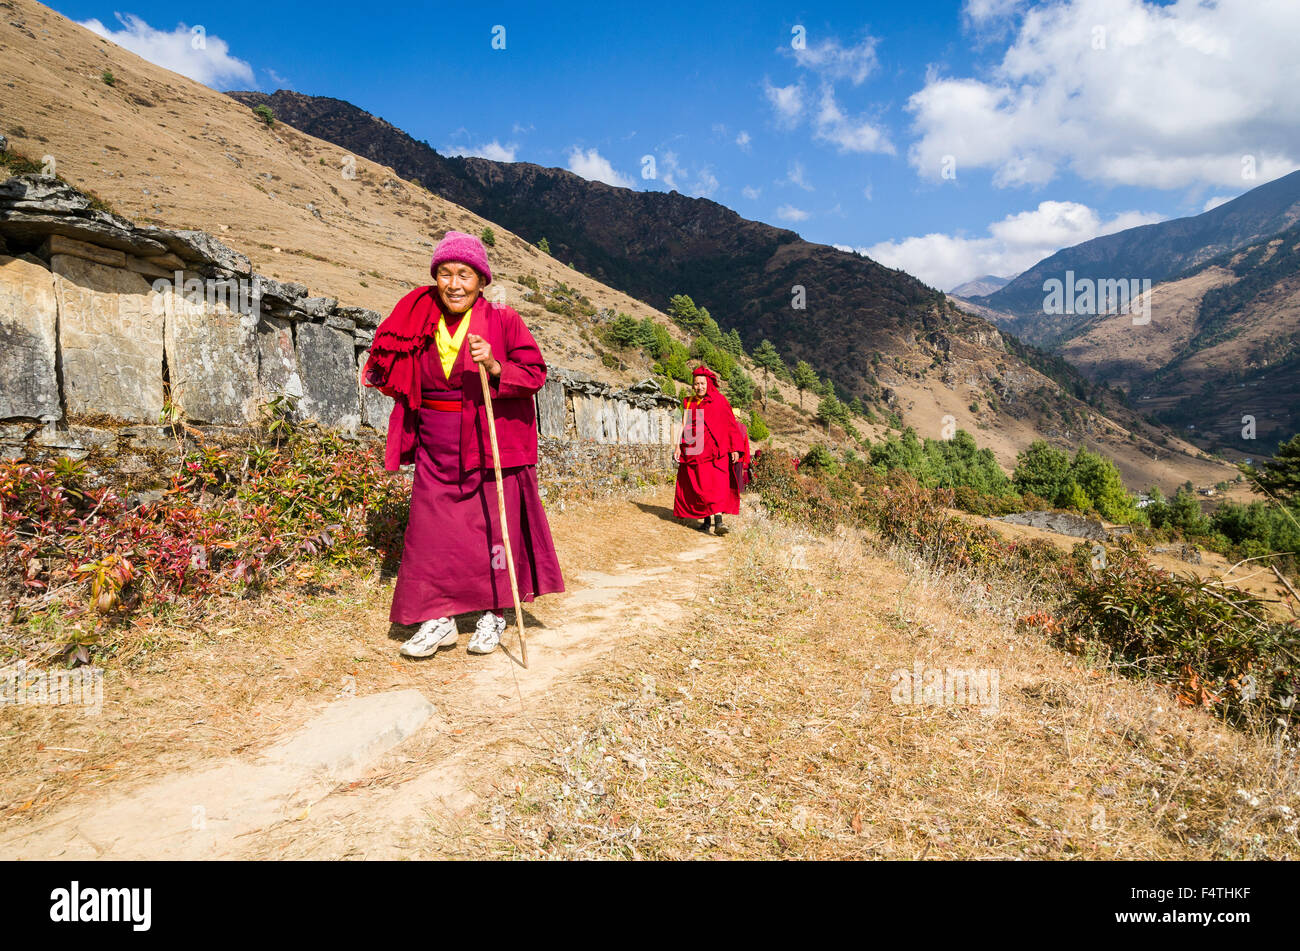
683 310
623 331
767 359
1281 475
805 378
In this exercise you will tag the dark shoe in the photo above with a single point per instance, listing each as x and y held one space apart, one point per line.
718 527
703 527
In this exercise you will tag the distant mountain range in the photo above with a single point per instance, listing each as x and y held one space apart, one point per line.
980 286
1155 252
1214 347
1221 354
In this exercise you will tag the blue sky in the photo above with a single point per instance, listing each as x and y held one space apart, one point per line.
948 138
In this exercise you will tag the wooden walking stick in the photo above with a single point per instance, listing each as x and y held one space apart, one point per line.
501 509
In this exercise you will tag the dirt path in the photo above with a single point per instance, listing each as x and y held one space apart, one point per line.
255 804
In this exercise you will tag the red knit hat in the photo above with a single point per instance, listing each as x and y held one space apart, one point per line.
462 247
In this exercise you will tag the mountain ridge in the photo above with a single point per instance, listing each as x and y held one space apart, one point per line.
1155 252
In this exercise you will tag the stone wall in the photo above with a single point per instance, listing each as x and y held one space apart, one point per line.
569 469
103 322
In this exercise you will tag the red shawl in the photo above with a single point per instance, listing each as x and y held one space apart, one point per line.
722 434
393 365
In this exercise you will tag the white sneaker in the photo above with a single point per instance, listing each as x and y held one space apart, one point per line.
487 635
439 632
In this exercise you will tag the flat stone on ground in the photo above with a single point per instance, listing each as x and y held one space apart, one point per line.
351 732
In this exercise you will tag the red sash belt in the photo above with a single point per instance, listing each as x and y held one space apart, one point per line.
442 406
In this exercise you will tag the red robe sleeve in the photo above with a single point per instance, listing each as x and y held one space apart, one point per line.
523 370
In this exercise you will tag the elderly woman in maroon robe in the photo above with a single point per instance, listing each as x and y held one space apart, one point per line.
426 356
709 444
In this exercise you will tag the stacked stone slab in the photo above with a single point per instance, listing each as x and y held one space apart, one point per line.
597 412
104 317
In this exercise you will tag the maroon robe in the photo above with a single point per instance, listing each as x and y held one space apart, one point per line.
454 560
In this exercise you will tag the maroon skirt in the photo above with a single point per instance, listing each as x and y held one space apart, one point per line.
704 488
454 561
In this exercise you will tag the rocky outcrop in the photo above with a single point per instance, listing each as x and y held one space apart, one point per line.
104 321
1063 523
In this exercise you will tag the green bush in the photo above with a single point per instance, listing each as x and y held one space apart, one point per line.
740 388
624 331
1213 642
818 458
1097 476
488 237
1042 470
939 463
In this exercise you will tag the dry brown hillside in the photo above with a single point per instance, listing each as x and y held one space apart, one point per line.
1222 344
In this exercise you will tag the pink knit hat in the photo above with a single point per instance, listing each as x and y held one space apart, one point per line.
462 247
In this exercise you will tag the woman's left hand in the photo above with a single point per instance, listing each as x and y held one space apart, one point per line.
735 457
481 352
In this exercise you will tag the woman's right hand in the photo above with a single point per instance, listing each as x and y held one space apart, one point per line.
677 455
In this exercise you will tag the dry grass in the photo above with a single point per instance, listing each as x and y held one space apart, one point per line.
767 730
211 683
762 725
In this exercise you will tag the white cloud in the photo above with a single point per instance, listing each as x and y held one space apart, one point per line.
788 102
743 140
1123 92
1012 245
593 166
791 213
493 150
847 134
209 64
866 193
830 123
832 61
706 183
670 169
1215 202
673 172
980 12
520 129
796 176
750 192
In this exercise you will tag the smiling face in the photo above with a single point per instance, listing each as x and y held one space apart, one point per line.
701 386
458 286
